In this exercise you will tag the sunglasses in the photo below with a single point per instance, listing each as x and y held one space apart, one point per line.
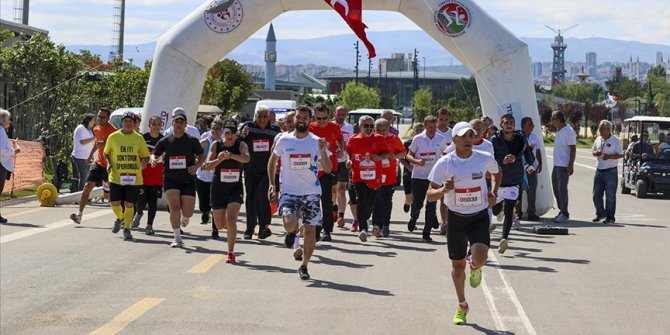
367 126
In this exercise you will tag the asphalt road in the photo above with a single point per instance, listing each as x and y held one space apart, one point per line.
58 278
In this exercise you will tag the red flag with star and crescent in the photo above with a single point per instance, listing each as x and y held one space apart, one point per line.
352 13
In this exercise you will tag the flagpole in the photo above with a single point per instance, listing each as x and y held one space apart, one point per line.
358 60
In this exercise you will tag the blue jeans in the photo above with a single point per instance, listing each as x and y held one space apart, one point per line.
605 183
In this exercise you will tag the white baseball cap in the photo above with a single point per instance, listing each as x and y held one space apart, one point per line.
461 128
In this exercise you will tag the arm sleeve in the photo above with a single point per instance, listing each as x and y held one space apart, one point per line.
492 166
413 147
108 145
279 147
160 147
144 149
197 148
572 138
439 174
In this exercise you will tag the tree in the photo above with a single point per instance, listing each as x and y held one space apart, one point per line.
355 96
421 104
389 101
227 85
624 88
660 88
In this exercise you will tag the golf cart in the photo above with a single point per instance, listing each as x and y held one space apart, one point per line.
646 165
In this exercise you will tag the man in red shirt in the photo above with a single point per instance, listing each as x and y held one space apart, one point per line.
329 131
381 217
366 150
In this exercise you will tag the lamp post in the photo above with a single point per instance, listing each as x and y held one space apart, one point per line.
424 72
358 60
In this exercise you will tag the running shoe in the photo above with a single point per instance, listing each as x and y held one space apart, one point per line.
502 246
443 229
150 230
264 233
334 215
561 218
204 218
136 220
126 235
354 226
411 225
340 223
475 277
302 271
76 218
184 221
386 231
3 220
598 218
289 238
363 236
533 217
492 227
500 216
297 254
461 312
326 237
376 231
117 226
516 224
247 235
609 220
405 208
427 239
215 234
177 244
231 258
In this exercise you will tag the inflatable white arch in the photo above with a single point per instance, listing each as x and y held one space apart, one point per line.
499 60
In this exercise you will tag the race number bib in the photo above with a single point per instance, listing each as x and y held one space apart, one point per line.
299 161
128 179
230 175
386 163
368 173
177 162
261 145
468 197
345 135
428 157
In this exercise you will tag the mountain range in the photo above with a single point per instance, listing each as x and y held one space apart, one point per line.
339 50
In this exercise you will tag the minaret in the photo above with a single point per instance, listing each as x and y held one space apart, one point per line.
270 59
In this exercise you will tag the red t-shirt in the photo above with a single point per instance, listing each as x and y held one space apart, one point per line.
390 166
363 168
331 133
101 134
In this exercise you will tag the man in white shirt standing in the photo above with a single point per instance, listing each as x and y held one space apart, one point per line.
608 151
565 149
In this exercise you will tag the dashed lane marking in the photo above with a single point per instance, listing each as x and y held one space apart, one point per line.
131 314
206 264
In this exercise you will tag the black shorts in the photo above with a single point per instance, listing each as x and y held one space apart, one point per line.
98 174
222 194
343 173
124 193
473 228
186 186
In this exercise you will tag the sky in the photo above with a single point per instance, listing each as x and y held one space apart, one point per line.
90 22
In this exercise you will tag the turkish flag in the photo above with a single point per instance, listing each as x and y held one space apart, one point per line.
352 13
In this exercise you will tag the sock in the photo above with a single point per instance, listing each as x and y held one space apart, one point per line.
340 214
335 208
177 234
118 211
464 304
128 217
81 213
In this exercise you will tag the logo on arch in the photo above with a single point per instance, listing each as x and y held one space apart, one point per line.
452 18
223 16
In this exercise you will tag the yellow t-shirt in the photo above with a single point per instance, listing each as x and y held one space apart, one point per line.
125 152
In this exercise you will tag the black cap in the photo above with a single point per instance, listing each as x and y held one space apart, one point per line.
128 114
230 124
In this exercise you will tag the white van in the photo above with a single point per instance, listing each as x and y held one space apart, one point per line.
279 107
115 118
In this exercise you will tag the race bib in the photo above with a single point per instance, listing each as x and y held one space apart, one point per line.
128 179
510 193
261 145
386 163
428 157
177 162
468 197
230 175
368 173
345 135
299 161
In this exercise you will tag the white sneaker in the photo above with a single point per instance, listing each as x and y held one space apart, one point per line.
363 236
500 216
516 224
76 218
502 246
184 222
177 244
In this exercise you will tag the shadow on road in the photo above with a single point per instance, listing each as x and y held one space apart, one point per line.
25 225
551 259
316 283
525 268
266 268
319 259
489 331
356 252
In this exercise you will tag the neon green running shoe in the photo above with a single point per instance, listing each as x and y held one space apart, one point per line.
459 317
475 277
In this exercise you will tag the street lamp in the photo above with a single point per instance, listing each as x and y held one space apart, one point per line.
424 72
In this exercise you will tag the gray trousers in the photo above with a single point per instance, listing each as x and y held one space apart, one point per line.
80 172
559 182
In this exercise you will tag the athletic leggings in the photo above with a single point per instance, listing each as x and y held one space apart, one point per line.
148 195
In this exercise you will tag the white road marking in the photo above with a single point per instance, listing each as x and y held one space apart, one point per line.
37 230
512 296
492 306
25 212
578 164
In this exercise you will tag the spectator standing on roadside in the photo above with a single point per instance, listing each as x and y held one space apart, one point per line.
607 150
565 149
83 142
533 140
7 152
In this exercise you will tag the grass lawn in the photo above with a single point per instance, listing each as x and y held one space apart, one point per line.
19 194
581 142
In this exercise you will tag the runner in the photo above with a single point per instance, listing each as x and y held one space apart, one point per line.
331 132
226 157
300 152
381 217
460 176
425 150
259 136
444 130
126 154
407 169
365 150
98 174
152 190
183 156
203 181
343 173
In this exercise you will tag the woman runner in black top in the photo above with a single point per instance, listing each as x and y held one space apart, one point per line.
226 157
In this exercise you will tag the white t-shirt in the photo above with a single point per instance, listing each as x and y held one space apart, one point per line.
564 139
347 132
193 131
299 164
485 146
470 193
82 151
533 138
206 175
610 146
447 135
430 150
